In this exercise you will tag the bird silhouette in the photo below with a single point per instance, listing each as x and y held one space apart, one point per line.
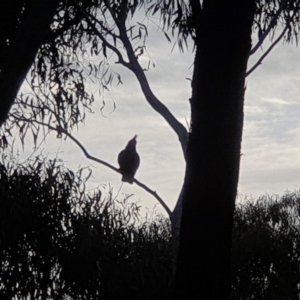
129 161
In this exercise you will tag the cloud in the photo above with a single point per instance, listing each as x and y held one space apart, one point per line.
279 101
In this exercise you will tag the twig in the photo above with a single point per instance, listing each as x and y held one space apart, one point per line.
98 33
36 148
267 52
154 194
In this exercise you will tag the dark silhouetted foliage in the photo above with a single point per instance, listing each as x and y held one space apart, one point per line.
57 241
60 242
266 249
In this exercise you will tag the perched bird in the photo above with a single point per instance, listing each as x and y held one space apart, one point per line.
129 161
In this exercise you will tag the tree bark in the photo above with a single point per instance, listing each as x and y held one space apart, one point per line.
223 41
21 55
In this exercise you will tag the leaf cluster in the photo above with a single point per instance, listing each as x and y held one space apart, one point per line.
273 15
176 16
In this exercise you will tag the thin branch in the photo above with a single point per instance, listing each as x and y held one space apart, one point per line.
271 25
154 194
107 31
60 130
155 103
268 51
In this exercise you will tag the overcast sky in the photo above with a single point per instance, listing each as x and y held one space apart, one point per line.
271 137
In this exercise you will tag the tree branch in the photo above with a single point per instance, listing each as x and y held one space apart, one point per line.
154 194
135 67
60 131
155 103
267 31
112 13
268 51
98 33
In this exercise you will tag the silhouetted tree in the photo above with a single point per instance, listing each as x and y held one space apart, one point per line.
221 31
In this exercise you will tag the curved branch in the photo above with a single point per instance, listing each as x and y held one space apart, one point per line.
267 52
155 103
135 67
60 131
158 106
154 194
140 184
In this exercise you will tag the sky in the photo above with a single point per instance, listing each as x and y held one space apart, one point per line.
271 140
270 161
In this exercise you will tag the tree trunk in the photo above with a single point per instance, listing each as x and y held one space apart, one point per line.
223 43
21 55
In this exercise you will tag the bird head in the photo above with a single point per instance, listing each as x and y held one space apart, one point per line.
132 142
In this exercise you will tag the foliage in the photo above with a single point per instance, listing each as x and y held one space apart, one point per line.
57 241
270 15
266 249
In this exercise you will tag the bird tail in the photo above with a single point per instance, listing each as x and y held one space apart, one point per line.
127 178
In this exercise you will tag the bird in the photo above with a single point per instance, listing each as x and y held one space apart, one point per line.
129 161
